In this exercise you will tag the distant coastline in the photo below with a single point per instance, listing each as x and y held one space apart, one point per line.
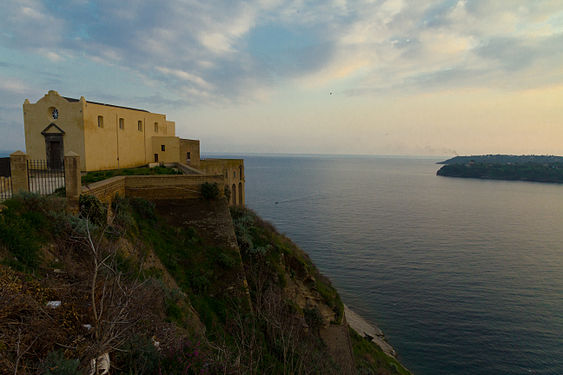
531 168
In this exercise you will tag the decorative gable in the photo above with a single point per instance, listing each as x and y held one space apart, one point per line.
53 129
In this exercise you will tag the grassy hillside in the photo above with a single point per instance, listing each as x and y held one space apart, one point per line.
171 290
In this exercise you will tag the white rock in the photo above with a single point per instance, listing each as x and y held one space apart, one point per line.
100 365
54 304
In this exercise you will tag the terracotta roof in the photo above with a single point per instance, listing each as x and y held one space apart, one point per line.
109 105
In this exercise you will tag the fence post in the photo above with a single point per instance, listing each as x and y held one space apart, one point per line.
18 166
73 184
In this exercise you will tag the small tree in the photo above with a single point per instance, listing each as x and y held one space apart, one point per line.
210 191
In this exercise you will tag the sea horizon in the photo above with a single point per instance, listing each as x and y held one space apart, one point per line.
461 275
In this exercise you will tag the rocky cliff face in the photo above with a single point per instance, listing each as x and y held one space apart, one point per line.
163 288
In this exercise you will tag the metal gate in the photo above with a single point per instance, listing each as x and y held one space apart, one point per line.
45 178
5 179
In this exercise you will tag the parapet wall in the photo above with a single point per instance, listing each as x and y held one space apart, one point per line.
105 190
168 187
152 187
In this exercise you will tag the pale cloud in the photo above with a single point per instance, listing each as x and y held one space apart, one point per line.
201 50
12 86
186 76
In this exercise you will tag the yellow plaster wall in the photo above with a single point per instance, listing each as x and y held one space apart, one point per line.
111 147
36 117
108 147
171 151
191 146
232 171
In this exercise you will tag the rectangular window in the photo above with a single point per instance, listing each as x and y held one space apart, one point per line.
100 121
156 127
162 148
188 156
234 174
121 123
156 158
140 126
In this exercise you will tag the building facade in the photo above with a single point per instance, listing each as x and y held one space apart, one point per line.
107 136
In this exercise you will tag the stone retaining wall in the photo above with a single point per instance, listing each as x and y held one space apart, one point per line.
152 187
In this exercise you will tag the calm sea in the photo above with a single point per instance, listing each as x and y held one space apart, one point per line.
464 276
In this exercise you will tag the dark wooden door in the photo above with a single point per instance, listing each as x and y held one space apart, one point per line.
54 152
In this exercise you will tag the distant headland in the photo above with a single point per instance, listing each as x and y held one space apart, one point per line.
537 168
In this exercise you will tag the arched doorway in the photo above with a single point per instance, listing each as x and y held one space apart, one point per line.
234 194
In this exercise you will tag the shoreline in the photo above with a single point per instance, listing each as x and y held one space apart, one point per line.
369 331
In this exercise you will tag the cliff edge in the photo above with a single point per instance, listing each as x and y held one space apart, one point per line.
175 286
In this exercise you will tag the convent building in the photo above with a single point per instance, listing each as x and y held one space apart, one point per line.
107 136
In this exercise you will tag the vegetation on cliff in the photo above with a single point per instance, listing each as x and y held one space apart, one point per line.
552 172
504 159
162 294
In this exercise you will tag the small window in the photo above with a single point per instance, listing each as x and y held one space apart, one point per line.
162 148
121 123
188 156
156 127
156 158
100 121
234 174
140 126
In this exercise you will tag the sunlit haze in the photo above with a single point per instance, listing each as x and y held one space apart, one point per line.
338 77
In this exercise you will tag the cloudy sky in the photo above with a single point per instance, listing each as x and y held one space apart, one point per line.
405 77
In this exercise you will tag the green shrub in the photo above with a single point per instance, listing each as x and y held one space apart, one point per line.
92 209
210 191
122 213
184 357
57 364
141 356
60 192
143 208
28 221
20 239
313 318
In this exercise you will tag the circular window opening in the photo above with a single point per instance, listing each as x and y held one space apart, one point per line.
54 113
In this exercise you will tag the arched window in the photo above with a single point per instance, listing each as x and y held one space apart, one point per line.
240 193
234 194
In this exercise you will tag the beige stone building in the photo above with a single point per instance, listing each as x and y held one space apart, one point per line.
107 136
